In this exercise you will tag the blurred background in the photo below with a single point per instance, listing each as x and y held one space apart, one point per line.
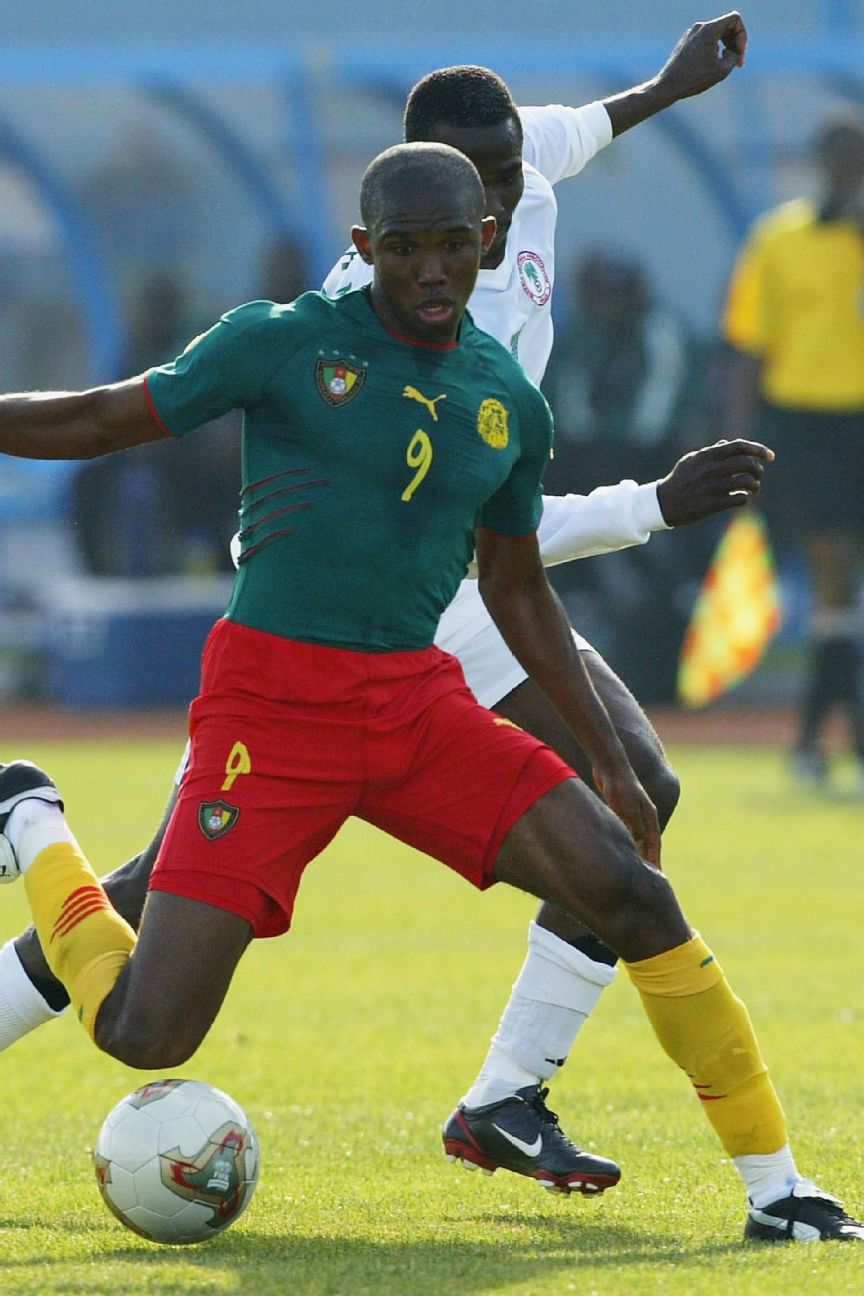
161 163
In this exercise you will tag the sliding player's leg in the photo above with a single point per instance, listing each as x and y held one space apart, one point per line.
30 994
146 1007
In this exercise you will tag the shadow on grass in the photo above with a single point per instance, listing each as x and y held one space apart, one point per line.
530 1246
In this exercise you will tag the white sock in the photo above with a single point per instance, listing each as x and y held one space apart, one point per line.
32 825
22 1007
768 1178
552 998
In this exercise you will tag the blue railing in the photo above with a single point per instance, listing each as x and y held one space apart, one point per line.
170 76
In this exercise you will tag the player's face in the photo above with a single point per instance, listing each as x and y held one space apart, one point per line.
426 252
496 152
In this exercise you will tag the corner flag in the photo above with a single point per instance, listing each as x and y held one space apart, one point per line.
736 615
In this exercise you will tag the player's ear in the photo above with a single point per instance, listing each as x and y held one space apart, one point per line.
488 230
362 242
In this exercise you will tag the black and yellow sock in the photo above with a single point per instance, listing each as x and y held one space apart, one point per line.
707 1031
85 941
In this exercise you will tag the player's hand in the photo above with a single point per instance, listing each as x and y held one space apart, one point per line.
722 476
625 795
704 56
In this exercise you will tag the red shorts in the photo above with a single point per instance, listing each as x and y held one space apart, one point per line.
288 739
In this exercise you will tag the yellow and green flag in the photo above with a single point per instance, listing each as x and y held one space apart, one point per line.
736 615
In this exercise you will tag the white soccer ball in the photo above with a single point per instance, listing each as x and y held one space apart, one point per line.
177 1161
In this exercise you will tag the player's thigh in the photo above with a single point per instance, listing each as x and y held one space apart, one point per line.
465 776
174 983
529 707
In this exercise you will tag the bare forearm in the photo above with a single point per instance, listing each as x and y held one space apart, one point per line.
637 105
75 425
533 622
538 633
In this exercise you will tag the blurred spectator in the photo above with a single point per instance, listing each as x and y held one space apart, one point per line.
145 200
171 507
795 321
284 274
167 507
628 383
626 379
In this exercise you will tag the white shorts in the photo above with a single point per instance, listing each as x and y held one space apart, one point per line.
468 632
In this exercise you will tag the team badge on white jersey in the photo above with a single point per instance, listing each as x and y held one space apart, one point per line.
533 277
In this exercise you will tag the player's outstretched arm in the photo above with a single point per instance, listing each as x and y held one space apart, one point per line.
718 477
533 623
704 56
710 480
77 425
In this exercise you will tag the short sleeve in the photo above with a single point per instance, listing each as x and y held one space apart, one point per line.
225 368
743 313
515 508
559 141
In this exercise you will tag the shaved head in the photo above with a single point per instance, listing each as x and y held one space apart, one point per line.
418 167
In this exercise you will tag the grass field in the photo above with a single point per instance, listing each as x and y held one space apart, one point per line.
349 1040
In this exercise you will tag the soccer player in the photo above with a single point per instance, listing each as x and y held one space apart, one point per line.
521 153
520 156
322 695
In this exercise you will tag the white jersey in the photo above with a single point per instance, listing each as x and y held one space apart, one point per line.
514 303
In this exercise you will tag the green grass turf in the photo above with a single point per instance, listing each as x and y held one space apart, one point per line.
349 1040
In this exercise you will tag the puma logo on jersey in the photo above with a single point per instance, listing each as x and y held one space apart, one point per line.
411 393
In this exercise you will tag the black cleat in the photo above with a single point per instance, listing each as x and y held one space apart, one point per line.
20 781
521 1134
807 1215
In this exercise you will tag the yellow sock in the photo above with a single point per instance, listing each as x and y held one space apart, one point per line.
707 1031
85 941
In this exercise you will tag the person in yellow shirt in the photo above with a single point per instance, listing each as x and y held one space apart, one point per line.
794 319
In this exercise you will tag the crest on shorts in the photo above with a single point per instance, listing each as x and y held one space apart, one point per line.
339 381
216 818
493 424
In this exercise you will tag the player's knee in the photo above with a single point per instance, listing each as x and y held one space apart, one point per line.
145 1045
638 913
664 791
652 917
658 779
147 1055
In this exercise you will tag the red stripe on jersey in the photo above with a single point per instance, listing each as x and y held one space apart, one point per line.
154 413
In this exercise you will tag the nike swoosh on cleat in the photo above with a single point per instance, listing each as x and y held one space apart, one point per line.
530 1149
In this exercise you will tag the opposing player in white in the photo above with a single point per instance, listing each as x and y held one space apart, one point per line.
503 1120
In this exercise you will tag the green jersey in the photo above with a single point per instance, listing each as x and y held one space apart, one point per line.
368 461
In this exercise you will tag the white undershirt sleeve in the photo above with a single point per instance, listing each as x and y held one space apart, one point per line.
610 518
559 141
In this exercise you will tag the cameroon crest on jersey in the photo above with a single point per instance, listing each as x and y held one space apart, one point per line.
339 381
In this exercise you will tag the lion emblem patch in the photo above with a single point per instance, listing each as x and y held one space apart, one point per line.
492 424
